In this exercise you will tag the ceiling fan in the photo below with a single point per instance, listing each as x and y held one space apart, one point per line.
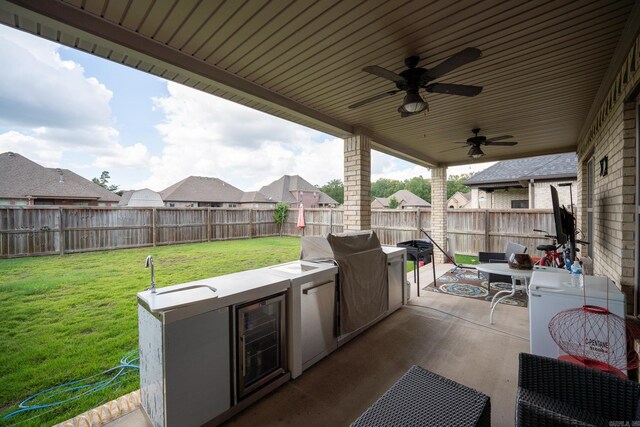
415 78
477 140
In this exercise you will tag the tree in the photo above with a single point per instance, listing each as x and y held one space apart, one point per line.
393 203
280 215
455 184
103 181
384 187
419 186
334 189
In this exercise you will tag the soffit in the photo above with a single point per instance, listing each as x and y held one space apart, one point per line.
542 63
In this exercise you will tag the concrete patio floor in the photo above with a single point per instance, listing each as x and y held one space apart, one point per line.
445 334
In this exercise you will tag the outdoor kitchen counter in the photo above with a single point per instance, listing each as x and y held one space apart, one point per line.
189 299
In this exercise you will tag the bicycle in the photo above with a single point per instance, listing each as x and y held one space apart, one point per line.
551 258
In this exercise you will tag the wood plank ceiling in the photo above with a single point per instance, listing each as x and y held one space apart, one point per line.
542 63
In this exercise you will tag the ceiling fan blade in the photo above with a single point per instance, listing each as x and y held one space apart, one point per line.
502 143
384 73
451 149
453 89
499 138
374 98
459 59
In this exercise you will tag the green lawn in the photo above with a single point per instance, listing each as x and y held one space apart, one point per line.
66 318
460 259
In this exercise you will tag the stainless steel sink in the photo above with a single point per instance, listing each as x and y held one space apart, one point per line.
296 267
174 298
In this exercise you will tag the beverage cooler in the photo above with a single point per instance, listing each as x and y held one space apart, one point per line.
260 344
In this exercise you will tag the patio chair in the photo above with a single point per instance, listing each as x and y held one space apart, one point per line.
510 248
556 393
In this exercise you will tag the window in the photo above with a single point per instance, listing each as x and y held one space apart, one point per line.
520 204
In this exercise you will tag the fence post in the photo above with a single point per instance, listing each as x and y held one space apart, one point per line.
330 220
153 226
61 222
251 214
418 222
486 230
208 224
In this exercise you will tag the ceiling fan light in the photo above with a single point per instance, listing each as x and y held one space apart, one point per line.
475 152
413 103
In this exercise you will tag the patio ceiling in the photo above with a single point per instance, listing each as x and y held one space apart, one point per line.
542 65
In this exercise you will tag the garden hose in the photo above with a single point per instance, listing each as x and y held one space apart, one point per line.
75 389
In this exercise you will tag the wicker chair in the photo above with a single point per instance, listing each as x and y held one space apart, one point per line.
556 393
511 248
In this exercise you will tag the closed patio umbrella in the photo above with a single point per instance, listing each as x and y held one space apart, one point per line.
301 218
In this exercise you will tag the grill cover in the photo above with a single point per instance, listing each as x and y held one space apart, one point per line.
362 275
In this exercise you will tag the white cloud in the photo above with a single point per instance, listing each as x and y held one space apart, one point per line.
40 89
209 136
32 148
52 108
54 114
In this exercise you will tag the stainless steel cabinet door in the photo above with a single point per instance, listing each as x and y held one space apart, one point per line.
318 308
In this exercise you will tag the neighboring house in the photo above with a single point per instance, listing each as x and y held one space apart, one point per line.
24 182
293 189
459 200
524 183
380 203
406 200
255 199
200 191
141 198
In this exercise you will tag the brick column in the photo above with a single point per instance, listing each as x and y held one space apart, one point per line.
357 183
439 211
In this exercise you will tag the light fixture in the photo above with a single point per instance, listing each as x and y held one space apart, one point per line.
413 103
475 152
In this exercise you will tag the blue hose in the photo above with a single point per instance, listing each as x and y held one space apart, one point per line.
78 388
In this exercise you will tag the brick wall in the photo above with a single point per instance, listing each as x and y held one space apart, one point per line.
542 194
613 134
357 183
439 210
501 199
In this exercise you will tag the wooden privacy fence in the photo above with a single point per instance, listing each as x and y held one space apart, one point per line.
47 230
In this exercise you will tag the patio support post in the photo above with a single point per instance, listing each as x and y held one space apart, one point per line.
357 183
439 211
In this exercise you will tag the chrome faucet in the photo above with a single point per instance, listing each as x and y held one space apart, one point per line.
149 263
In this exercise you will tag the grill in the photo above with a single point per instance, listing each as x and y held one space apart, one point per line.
419 250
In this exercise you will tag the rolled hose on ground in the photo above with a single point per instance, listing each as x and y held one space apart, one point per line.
78 388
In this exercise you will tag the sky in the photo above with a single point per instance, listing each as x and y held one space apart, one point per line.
61 107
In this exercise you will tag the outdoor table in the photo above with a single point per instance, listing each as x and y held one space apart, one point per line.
515 274
422 398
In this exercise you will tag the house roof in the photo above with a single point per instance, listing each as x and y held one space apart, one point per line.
23 178
383 201
201 189
254 197
409 199
404 197
466 196
281 190
136 194
555 166
104 195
